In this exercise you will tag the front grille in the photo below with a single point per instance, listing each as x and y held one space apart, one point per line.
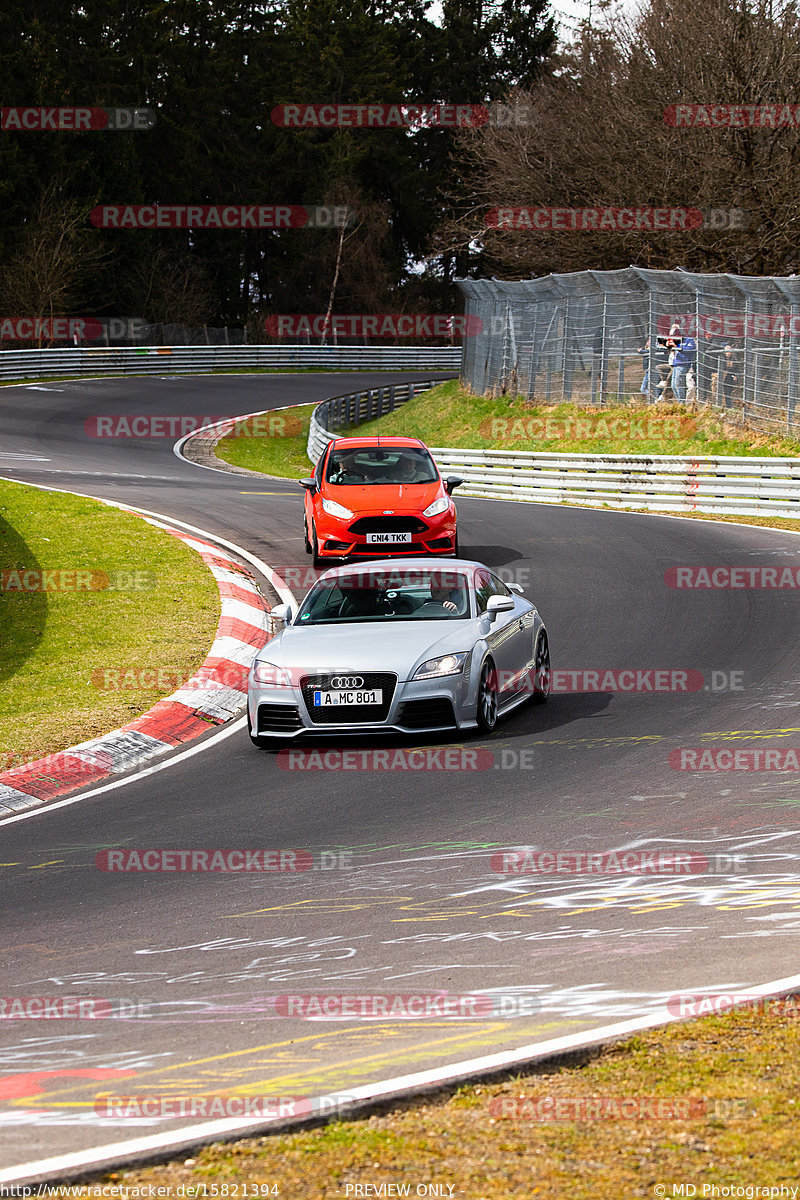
397 524
349 714
278 718
422 714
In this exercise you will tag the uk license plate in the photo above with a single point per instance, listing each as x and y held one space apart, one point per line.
383 538
357 697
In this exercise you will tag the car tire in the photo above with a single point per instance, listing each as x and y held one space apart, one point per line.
315 558
541 678
306 542
456 549
486 710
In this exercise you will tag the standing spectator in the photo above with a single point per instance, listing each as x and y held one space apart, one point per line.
645 353
683 359
731 371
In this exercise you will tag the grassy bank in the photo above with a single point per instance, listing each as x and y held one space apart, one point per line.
275 443
738 1074
144 603
447 415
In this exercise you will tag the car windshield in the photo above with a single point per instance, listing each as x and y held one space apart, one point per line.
374 465
401 594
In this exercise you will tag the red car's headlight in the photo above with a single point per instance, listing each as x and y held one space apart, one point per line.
439 506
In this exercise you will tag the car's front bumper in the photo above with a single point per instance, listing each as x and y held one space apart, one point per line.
416 706
337 539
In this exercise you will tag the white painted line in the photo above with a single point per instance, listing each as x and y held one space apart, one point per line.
189 1135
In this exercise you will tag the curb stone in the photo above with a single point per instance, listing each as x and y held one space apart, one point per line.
214 694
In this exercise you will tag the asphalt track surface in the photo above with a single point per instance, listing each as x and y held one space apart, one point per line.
421 908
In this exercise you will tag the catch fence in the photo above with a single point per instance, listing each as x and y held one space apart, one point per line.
595 338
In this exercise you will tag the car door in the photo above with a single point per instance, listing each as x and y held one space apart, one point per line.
506 634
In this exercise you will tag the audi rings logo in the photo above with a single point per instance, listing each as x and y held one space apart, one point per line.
347 681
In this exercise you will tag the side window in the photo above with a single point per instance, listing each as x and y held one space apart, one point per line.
499 588
320 465
483 589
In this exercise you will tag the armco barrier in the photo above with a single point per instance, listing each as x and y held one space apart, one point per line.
668 483
169 360
350 409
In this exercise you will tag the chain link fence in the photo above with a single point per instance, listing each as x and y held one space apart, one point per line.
595 338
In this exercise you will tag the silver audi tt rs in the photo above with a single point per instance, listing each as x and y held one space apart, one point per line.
398 646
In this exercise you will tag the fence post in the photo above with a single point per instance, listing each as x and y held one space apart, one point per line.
791 398
747 366
568 359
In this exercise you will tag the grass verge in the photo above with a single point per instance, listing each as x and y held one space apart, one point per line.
275 443
740 1072
145 616
447 415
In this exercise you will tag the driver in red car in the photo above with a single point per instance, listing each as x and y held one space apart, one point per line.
408 470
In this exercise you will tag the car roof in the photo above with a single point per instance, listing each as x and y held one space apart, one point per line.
361 443
414 564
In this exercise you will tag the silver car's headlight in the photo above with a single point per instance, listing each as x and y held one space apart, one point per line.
268 675
336 510
446 664
439 506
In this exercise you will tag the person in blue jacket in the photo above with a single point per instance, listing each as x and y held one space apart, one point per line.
683 359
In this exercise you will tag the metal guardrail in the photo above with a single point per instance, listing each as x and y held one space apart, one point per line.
169 360
665 482
671 483
351 408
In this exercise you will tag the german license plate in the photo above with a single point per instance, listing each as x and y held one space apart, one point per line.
383 538
363 696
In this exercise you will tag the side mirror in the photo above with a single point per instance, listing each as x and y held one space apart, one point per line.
498 604
309 484
451 483
284 613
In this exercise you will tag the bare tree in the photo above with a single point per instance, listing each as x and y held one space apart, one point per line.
598 138
56 255
170 287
